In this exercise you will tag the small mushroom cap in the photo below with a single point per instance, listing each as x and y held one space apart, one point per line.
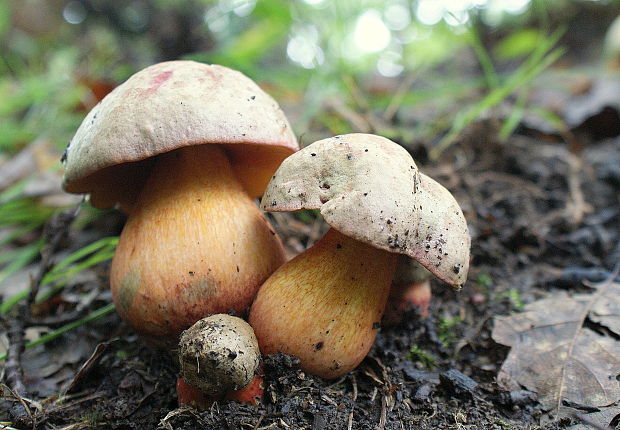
219 353
172 105
369 188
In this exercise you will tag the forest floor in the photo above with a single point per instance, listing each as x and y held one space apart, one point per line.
544 215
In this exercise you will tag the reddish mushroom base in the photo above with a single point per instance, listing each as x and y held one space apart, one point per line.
188 395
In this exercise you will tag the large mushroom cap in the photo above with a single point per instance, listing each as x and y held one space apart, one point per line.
172 105
369 188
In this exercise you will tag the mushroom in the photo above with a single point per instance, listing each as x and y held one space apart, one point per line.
325 305
252 394
411 288
183 148
218 354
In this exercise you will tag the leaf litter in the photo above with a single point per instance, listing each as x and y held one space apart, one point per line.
566 349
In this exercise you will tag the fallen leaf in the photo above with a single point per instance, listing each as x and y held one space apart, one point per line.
88 365
607 310
556 353
602 418
581 99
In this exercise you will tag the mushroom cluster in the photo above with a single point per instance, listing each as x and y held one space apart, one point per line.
183 148
325 305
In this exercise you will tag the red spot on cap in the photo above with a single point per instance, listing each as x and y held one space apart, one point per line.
158 80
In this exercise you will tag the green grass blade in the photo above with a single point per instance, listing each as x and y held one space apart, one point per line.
68 327
464 118
515 117
88 256
483 58
102 250
26 255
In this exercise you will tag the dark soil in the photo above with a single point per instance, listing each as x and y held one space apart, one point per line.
543 214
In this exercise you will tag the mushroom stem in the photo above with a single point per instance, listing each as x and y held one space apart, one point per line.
325 306
194 244
405 297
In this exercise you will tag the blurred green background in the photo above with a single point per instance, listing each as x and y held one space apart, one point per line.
420 72
58 57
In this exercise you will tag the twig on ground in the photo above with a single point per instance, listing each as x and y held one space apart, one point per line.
53 234
260 420
165 421
12 368
359 122
398 98
383 416
578 207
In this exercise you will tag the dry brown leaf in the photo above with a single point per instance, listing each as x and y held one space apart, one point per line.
555 354
607 310
602 418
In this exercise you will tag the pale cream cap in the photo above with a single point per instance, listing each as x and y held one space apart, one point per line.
369 188
172 105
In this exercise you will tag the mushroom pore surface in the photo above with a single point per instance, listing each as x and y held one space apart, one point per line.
325 306
194 244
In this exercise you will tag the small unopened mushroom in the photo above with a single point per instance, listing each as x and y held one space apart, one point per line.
218 354
183 148
325 305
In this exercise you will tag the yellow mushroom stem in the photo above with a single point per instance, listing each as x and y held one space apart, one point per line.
194 244
325 306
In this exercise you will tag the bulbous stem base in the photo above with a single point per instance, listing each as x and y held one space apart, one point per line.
194 244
